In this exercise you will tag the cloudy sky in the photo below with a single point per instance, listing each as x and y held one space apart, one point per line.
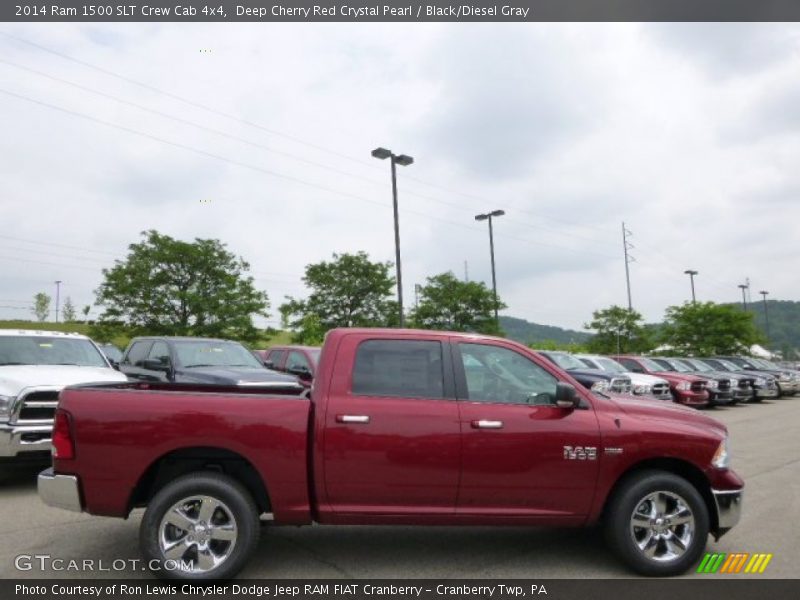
260 135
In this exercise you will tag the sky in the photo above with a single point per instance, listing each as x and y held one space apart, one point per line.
259 135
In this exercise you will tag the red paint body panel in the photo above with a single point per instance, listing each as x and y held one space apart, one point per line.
417 460
119 433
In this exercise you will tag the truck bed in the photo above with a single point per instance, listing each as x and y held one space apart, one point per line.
120 450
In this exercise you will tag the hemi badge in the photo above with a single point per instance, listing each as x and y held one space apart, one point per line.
612 450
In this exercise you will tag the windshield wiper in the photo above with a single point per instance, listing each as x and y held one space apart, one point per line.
198 365
13 363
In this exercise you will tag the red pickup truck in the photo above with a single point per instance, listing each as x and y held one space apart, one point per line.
400 427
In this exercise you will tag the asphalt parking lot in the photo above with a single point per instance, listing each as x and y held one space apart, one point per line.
766 452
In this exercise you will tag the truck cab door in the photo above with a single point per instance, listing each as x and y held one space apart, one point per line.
392 443
522 456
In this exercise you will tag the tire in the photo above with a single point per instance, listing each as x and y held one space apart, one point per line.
220 527
632 523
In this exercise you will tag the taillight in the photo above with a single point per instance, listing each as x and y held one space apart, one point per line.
63 446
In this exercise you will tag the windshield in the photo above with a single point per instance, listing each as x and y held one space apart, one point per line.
697 365
761 362
112 352
678 365
205 353
566 361
43 350
730 366
610 365
650 364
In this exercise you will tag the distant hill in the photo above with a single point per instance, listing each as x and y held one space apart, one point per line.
784 322
527 333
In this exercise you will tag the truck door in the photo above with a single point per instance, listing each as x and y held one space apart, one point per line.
522 455
391 441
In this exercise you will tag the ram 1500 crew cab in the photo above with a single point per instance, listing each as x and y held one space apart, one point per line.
400 427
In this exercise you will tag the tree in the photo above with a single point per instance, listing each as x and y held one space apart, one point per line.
446 302
69 311
171 287
554 345
706 329
85 312
348 291
619 330
41 306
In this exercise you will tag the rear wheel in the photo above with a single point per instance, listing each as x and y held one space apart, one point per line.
657 523
200 526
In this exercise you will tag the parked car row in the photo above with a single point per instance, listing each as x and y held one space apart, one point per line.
698 382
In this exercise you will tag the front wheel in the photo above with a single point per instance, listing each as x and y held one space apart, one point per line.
657 523
200 526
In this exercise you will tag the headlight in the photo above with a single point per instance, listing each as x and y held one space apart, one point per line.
642 389
722 457
785 376
599 386
684 386
759 381
5 406
712 384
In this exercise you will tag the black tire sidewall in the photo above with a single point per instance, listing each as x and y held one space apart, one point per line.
219 486
628 496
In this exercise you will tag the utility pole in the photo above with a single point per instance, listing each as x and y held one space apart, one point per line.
58 295
766 312
626 245
691 273
466 271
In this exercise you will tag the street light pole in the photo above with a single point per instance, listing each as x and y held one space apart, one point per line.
691 275
743 287
766 312
488 217
403 160
58 295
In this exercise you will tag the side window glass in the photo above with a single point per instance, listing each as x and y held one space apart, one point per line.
137 353
275 357
297 359
398 368
160 352
496 374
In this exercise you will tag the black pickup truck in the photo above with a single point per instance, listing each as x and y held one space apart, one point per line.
199 361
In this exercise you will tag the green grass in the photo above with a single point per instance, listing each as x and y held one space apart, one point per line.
121 341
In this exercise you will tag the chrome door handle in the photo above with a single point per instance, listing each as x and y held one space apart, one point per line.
364 419
485 424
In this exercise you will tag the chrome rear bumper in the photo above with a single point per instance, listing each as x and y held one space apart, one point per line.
60 491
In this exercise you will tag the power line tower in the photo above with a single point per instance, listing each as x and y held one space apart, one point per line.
627 246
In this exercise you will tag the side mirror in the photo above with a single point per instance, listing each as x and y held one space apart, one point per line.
114 364
154 364
269 364
300 370
566 395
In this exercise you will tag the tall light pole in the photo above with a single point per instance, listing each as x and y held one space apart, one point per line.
691 275
766 312
488 217
403 160
58 296
743 287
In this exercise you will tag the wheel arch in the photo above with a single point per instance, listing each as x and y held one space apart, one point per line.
195 459
676 466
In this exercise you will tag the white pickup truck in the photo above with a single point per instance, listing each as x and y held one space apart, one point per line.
34 367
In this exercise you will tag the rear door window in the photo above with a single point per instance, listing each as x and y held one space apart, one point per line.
399 368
